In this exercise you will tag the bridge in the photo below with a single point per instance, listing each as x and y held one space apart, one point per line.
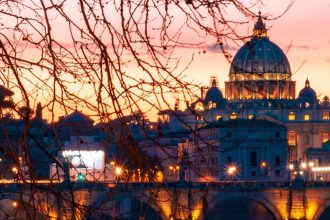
172 200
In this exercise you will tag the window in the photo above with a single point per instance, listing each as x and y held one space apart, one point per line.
228 134
253 173
253 159
325 136
233 115
306 117
292 116
326 116
218 117
229 160
306 139
199 106
292 138
277 134
277 172
277 161
250 117
307 105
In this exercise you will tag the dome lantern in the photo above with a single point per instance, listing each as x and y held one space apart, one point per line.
260 28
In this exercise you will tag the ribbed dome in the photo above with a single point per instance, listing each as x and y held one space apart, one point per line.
213 94
260 55
307 94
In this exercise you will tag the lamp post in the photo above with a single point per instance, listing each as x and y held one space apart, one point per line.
300 169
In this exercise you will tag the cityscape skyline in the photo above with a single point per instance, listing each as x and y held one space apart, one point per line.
308 58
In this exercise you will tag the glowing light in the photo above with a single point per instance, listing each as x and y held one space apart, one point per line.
159 176
312 207
233 115
263 164
311 164
320 169
14 204
231 170
118 171
81 177
291 166
171 167
301 172
303 165
112 163
90 159
14 170
306 117
292 116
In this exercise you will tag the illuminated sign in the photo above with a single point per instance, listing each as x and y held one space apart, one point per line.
85 159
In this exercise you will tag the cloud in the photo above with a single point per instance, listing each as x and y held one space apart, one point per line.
328 60
216 48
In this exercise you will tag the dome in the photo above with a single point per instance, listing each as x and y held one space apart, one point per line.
213 94
260 55
307 94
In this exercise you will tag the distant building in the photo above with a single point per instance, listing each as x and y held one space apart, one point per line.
260 87
256 149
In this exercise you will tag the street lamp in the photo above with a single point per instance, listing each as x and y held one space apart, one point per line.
231 171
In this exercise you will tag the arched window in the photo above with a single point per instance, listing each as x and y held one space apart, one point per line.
292 138
277 161
253 159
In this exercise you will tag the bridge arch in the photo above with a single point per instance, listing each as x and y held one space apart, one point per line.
323 212
107 206
12 207
258 199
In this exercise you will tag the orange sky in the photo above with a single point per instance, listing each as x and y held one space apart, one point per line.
306 25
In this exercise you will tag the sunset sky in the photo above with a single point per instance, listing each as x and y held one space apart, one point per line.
306 26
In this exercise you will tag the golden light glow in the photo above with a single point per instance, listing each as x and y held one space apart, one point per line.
263 164
14 204
197 210
231 170
295 214
292 116
233 115
199 106
303 165
250 117
218 117
306 117
311 164
325 136
14 170
311 209
292 138
159 176
291 166
118 171
326 116
112 163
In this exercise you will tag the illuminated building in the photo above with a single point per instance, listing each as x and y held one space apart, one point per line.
260 87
